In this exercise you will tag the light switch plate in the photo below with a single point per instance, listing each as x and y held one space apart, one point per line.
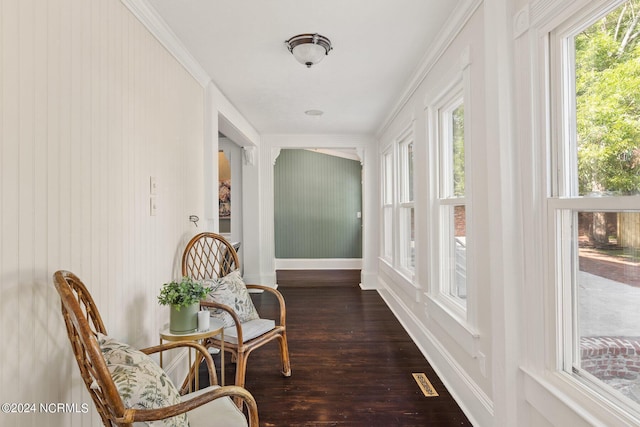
153 186
152 206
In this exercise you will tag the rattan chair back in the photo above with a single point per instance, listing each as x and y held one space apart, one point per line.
209 256
83 322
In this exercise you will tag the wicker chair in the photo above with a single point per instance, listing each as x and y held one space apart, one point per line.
211 406
210 256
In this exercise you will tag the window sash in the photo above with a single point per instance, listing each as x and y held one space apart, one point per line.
453 264
387 205
405 170
447 145
407 236
565 204
387 244
387 179
451 196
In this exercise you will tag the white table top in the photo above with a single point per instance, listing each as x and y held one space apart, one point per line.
215 327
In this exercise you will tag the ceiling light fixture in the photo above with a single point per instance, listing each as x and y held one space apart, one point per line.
309 49
314 112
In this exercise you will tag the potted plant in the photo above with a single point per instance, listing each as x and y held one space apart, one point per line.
184 299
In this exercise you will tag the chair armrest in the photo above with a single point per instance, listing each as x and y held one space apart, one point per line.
279 297
134 415
229 310
204 353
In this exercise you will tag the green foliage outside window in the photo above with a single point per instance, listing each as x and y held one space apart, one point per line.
608 103
458 151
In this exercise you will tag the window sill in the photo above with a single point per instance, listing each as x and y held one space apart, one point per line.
400 278
585 402
451 321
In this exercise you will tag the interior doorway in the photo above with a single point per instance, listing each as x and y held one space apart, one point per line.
317 209
229 158
224 193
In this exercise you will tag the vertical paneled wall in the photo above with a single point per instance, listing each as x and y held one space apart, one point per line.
317 200
91 106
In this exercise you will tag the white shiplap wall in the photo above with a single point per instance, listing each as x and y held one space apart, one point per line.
91 106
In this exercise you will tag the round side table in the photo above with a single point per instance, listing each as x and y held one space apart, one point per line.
216 327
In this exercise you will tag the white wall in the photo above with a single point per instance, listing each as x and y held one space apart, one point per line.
461 351
501 362
91 106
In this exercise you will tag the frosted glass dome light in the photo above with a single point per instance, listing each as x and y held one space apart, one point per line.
309 49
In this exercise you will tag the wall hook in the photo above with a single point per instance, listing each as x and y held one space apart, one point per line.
194 219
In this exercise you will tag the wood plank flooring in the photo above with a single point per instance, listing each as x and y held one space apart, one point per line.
306 278
352 365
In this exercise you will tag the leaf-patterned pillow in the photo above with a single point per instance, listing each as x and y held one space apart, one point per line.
142 384
231 290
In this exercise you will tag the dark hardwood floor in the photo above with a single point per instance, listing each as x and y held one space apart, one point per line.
352 365
306 278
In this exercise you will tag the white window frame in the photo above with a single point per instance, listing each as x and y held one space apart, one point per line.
447 201
406 207
397 204
563 203
444 201
460 321
387 197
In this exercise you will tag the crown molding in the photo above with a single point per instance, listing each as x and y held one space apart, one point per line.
148 16
451 29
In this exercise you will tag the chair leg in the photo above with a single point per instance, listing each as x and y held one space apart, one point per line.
241 368
284 354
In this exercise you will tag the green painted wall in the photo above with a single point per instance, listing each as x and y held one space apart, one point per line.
317 198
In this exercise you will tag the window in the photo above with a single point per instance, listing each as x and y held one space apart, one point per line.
398 215
451 200
387 206
406 205
594 203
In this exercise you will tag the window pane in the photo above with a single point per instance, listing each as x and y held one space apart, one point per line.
408 238
459 245
406 172
457 142
412 240
410 170
607 299
607 56
388 235
388 180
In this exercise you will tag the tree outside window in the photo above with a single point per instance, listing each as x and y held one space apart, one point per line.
597 209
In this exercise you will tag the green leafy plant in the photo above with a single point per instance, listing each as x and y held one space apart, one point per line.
183 293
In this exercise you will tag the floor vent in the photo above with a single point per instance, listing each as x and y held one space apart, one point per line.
425 384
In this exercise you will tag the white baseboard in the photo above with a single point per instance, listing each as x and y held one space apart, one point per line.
473 401
319 264
369 280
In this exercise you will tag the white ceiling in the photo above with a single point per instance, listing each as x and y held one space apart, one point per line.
378 44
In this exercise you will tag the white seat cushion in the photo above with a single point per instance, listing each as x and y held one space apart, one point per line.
221 412
250 330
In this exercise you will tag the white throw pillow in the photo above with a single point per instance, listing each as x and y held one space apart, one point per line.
142 384
231 290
